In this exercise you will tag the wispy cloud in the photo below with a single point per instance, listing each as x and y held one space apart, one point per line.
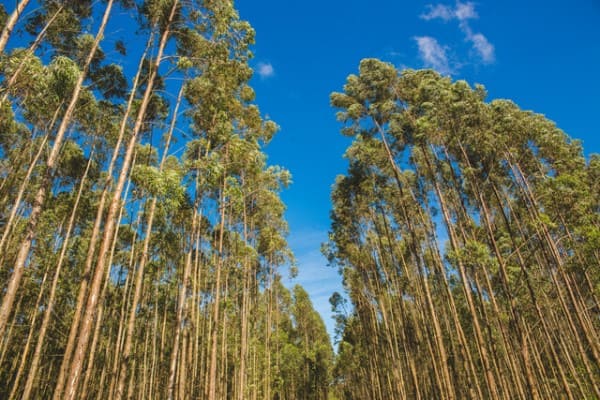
438 11
465 11
485 50
394 53
433 54
462 13
265 70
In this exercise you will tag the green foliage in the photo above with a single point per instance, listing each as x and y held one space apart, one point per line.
3 16
73 160
9 128
64 73
111 81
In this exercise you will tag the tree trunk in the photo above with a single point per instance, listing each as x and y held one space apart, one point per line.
489 376
212 384
182 297
17 203
11 23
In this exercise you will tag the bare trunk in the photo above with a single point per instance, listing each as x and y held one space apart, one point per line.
17 203
181 301
11 23
489 376
212 388
25 354
50 306
107 279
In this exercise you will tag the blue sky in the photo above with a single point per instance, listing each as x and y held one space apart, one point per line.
544 55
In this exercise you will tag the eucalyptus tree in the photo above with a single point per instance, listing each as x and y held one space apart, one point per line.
312 339
425 144
33 368
230 129
58 24
170 185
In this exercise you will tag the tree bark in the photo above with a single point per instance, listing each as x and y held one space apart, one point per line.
11 23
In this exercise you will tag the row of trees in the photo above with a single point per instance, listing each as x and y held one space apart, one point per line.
141 228
468 236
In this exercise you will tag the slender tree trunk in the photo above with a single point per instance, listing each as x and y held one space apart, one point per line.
396 172
581 314
13 212
241 386
182 298
4 341
126 294
489 376
212 388
11 23
24 185
198 351
532 293
25 354
506 342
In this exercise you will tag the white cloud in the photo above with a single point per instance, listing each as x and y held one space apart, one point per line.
465 11
483 47
438 11
433 54
265 70
462 12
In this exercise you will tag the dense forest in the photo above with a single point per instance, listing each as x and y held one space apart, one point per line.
468 236
142 229
143 250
